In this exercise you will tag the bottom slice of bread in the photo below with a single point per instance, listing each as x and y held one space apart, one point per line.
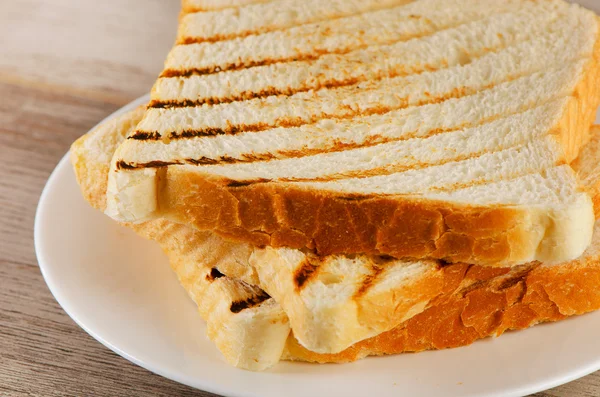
253 332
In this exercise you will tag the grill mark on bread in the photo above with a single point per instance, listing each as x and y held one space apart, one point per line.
304 273
283 122
398 71
231 129
235 129
371 141
300 57
214 274
233 183
246 65
124 165
252 301
341 113
370 279
339 147
394 72
335 147
186 40
146 135
247 95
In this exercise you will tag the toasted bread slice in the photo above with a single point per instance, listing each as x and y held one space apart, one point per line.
408 138
250 328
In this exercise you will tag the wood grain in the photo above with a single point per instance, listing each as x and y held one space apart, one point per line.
65 65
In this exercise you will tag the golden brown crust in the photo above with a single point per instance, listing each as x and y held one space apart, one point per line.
286 216
483 304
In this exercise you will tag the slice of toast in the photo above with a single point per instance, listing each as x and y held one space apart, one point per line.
251 329
430 129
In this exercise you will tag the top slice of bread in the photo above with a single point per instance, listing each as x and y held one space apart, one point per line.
403 129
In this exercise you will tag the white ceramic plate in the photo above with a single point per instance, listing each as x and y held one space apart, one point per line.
120 289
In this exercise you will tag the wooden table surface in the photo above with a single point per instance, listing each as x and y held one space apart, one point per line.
65 65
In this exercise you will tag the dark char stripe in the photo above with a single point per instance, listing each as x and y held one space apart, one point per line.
145 135
123 165
279 155
248 95
210 131
250 63
214 274
234 129
233 183
246 64
238 306
304 273
369 280
289 122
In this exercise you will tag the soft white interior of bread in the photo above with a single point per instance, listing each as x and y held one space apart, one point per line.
275 15
555 185
506 164
253 338
383 26
132 195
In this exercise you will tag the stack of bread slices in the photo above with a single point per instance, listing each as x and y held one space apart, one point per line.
334 179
